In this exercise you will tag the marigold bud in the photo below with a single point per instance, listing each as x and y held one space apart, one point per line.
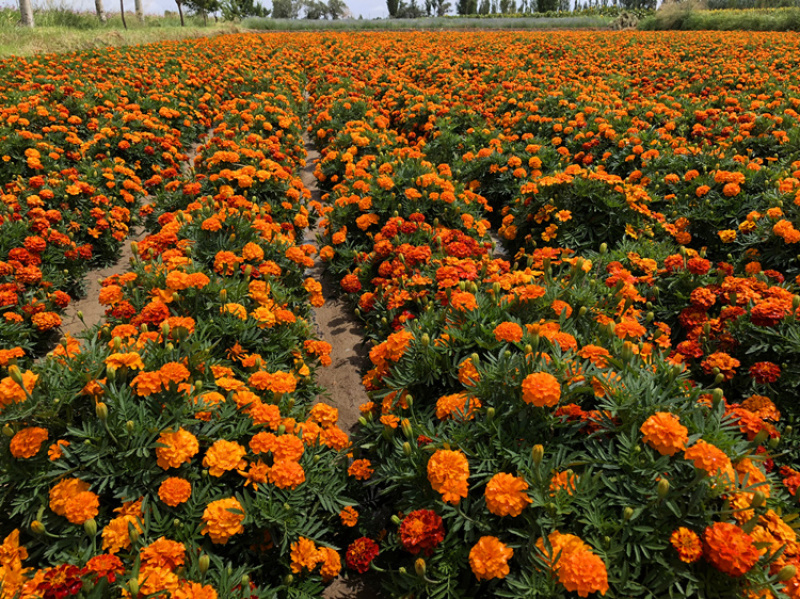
15 374
90 527
787 573
203 563
407 448
130 425
101 409
761 437
245 580
603 248
405 425
758 499
133 587
490 412
38 528
420 567
8 431
627 513
362 421
663 488
223 295
537 453
248 270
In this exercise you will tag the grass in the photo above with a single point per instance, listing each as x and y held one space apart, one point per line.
688 18
429 23
64 30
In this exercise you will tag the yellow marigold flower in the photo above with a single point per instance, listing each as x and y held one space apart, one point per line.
223 456
223 519
27 442
665 433
176 448
505 495
541 389
488 558
448 472
175 491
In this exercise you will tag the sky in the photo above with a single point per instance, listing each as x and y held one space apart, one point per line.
369 9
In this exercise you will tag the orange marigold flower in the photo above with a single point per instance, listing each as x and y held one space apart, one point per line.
583 572
459 406
541 389
27 442
163 553
448 472
563 481
729 549
665 433
223 519
175 491
304 555
331 563
508 331
710 458
468 375
361 469
116 535
147 383
175 448
560 545
687 544
286 474
349 516
130 360
223 456
63 491
81 507
489 557
194 590
173 372
726 364
505 495
324 415
55 451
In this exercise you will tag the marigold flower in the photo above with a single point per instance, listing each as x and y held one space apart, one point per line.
508 331
223 519
116 535
687 544
331 563
194 590
163 553
459 406
560 545
726 364
81 507
583 572
223 456
541 389
710 458
27 442
349 516
729 549
175 491
765 372
176 448
360 554
448 472
489 557
105 566
304 555
505 495
63 491
563 481
361 469
421 530
55 451
664 432
324 415
286 474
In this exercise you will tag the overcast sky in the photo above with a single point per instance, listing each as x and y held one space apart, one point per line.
369 9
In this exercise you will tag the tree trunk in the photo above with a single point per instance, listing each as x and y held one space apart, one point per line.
180 12
101 13
122 12
26 13
139 11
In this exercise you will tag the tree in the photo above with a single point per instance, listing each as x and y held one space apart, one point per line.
485 7
180 11
285 9
139 10
338 9
122 13
241 9
462 7
202 7
393 6
26 13
442 7
101 13
315 10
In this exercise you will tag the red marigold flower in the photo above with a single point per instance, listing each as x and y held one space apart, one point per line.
765 372
729 549
61 581
360 554
105 565
421 530
687 544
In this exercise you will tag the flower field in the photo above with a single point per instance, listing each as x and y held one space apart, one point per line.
575 257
